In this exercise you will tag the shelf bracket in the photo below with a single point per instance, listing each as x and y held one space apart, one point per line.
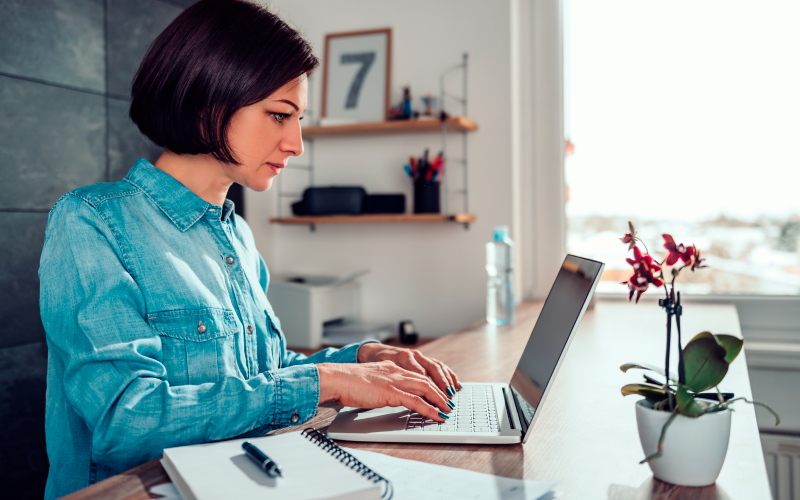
443 95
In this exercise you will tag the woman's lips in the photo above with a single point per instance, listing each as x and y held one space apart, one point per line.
276 167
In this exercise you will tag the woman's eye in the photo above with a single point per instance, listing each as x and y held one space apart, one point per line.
279 117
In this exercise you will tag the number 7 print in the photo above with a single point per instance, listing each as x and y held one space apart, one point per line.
366 59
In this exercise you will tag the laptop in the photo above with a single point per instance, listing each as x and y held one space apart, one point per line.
492 413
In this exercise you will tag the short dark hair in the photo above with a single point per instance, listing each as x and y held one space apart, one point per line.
216 57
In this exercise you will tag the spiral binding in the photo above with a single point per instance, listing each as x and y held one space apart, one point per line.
333 449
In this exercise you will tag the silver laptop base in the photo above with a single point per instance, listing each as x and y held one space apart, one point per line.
397 424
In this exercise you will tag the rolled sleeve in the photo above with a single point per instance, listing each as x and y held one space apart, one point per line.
296 394
347 354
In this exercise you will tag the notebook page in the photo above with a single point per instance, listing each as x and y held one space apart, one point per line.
414 480
222 470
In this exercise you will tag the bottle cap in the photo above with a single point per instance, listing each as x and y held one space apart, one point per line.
500 233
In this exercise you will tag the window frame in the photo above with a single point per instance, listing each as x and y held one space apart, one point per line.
539 205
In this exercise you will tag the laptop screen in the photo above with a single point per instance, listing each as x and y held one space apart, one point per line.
560 316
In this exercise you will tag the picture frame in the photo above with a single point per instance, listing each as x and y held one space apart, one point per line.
356 76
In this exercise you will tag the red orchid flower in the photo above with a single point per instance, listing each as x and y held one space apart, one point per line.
644 269
698 262
647 271
630 238
643 262
639 283
676 252
633 288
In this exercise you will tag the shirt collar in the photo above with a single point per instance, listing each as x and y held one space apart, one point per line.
227 210
178 202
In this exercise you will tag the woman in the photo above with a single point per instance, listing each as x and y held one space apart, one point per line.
152 290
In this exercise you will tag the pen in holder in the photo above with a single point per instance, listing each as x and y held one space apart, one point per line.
426 177
426 197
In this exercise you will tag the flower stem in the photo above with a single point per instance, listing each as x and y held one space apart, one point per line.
678 311
666 367
645 247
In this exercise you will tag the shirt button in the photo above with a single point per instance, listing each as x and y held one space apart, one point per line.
250 329
295 417
229 260
201 328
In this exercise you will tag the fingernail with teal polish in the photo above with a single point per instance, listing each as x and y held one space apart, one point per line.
444 416
450 393
451 404
453 389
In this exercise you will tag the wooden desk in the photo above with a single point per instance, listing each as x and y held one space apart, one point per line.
586 436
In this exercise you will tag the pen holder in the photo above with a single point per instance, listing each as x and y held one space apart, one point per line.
426 197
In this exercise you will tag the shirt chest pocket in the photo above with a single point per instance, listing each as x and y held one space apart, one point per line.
197 344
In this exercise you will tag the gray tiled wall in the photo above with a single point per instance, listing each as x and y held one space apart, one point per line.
125 142
65 72
23 457
58 41
52 140
136 24
20 246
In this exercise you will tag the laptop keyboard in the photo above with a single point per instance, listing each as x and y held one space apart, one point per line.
474 412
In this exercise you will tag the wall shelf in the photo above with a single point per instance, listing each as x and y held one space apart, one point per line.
310 220
423 125
460 125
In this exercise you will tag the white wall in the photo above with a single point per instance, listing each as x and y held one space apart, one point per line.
433 274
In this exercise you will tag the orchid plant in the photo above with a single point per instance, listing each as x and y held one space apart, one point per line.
702 363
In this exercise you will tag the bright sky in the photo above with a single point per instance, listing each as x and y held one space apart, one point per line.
683 108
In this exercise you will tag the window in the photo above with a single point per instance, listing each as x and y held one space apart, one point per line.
684 116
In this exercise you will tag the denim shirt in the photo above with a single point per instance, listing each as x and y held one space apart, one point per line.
159 330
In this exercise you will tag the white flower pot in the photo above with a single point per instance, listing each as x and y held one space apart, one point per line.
694 448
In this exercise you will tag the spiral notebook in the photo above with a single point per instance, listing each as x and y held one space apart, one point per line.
314 468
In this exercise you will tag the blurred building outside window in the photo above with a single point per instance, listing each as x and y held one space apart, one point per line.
683 117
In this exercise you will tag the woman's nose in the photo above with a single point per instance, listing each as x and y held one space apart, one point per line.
293 141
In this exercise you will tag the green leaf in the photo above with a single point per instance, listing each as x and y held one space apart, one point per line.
704 362
651 392
732 345
686 403
645 366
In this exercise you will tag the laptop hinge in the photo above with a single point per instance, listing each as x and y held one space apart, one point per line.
508 409
520 413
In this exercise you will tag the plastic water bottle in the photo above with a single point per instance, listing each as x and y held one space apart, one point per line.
499 290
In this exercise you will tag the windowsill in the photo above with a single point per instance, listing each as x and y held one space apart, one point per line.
773 355
653 296
770 325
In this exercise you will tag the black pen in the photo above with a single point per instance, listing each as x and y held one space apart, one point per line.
264 462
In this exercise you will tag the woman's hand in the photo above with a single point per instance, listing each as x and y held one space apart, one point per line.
375 385
413 361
